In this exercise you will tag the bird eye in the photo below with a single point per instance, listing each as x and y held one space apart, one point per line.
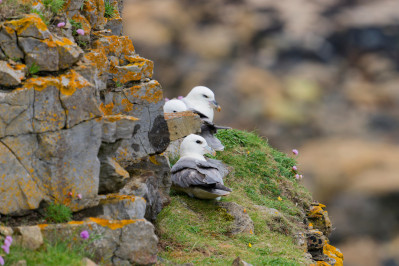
205 96
199 142
174 111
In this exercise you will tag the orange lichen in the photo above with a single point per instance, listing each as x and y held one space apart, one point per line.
97 56
153 159
107 109
114 118
72 81
115 45
315 211
42 226
76 222
334 253
113 224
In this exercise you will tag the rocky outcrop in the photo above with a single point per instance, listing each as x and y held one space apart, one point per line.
80 119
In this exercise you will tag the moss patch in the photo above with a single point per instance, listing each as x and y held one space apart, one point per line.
263 183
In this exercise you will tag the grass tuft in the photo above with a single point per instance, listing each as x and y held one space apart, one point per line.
196 231
58 213
110 10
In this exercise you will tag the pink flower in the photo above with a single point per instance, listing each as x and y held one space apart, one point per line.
1 258
297 176
295 151
84 234
166 99
6 249
79 196
294 168
80 32
300 176
180 97
8 240
0 3
61 25
70 194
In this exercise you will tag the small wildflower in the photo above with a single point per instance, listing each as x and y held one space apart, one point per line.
84 234
297 176
1 258
250 245
166 99
6 249
70 193
8 239
180 97
247 152
79 196
279 198
1 1
61 25
294 168
80 32
245 210
250 231
300 176
295 151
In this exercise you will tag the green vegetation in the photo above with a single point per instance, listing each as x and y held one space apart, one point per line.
197 231
110 10
54 5
58 213
33 69
63 252
75 26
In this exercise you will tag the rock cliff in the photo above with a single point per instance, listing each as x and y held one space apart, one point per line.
81 126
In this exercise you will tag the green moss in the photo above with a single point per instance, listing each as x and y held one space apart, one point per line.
33 69
197 231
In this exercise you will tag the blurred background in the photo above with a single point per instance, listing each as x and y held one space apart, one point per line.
321 76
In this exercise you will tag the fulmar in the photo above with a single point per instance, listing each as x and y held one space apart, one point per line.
195 175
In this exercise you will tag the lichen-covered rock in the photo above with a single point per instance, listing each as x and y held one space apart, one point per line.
319 218
69 53
316 240
11 76
17 194
55 163
8 43
112 176
242 222
127 240
115 45
30 25
139 68
42 53
94 12
118 207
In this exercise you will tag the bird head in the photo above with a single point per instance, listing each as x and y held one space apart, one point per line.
195 146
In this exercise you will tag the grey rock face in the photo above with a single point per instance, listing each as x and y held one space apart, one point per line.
40 53
112 176
8 43
118 207
10 76
151 180
29 237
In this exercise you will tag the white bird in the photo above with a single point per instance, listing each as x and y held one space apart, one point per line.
174 106
202 101
195 175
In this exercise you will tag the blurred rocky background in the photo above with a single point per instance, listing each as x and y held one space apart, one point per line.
321 76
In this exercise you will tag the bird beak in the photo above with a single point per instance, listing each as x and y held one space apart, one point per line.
210 150
216 105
